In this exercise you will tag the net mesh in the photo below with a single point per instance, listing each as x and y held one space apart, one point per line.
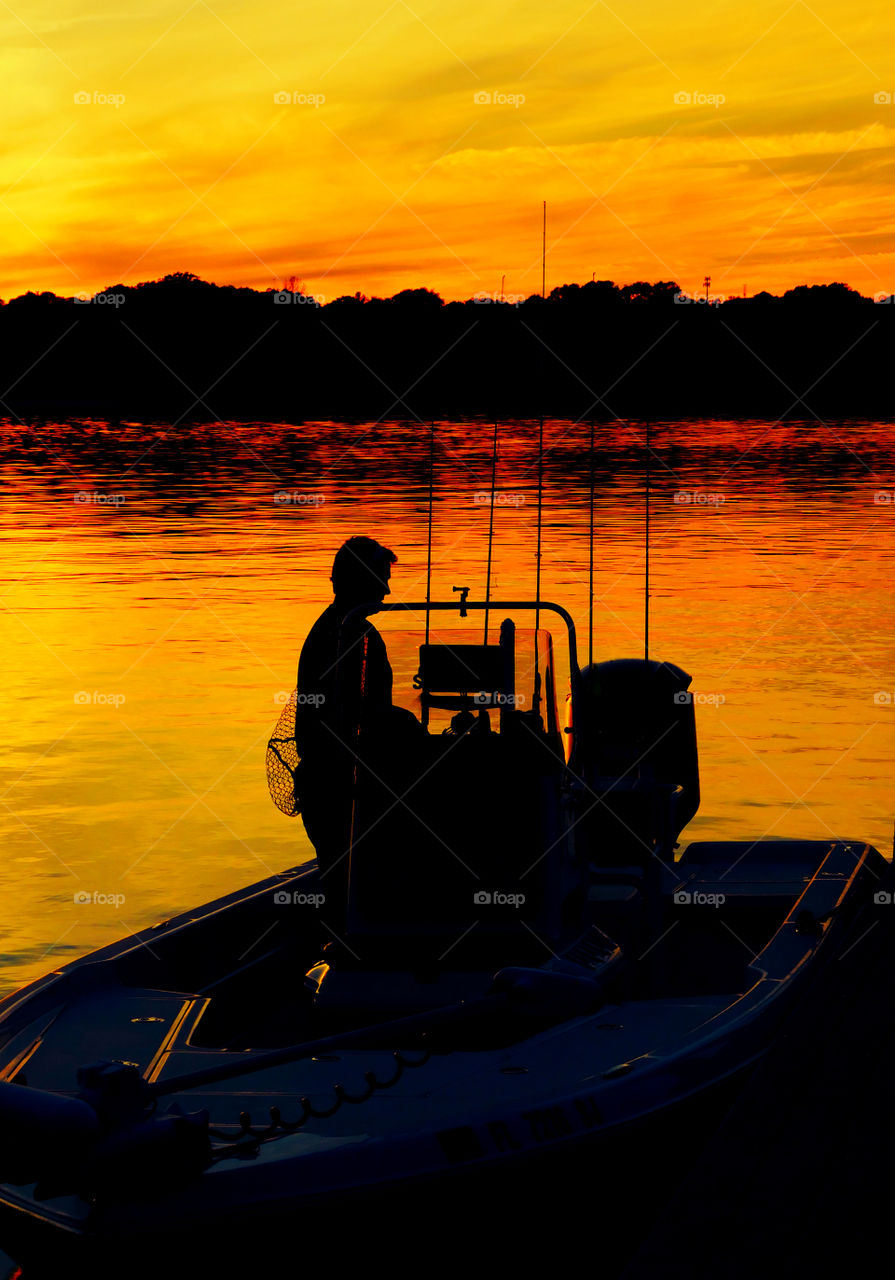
283 761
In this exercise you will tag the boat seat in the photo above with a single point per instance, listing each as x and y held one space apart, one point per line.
468 677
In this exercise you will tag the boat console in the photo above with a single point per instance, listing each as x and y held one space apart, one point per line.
462 858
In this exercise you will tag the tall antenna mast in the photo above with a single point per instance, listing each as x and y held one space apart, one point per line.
490 532
429 546
646 571
540 446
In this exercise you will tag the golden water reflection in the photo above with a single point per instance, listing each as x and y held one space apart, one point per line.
160 583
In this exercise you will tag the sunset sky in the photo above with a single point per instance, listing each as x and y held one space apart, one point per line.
426 136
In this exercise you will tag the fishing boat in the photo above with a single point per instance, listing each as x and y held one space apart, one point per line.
527 965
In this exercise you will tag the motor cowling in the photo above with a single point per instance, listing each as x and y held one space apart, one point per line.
636 721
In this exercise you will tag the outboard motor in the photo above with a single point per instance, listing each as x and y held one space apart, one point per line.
638 728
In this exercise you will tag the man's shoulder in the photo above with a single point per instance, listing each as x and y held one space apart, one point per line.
327 627
327 623
326 639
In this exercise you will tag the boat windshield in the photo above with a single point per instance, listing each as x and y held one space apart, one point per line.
515 671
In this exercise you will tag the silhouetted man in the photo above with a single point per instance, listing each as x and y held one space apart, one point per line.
345 691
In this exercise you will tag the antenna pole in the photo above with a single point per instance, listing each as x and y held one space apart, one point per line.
590 596
429 545
490 532
544 255
646 572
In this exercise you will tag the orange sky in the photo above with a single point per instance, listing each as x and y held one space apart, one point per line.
400 177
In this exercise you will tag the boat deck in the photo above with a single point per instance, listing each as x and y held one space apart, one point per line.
797 1178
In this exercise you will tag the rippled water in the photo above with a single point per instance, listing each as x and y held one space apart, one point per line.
159 588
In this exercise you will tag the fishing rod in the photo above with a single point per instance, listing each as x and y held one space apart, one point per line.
646 563
537 681
490 531
590 580
429 544
540 522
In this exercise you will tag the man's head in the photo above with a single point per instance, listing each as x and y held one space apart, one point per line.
361 570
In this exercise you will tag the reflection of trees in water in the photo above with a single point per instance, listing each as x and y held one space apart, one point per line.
362 461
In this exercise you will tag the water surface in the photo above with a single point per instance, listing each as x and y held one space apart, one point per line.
160 581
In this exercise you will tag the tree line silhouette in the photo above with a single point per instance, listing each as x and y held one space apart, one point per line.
183 348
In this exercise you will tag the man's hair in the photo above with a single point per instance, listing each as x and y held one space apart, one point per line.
360 565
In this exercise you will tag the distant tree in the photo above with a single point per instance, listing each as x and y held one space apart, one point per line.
665 290
293 285
348 300
31 299
763 296
417 298
641 291
823 293
177 280
601 292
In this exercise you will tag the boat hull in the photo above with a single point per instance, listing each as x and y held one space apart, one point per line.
467 1129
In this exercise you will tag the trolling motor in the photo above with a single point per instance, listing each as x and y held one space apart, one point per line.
104 1140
